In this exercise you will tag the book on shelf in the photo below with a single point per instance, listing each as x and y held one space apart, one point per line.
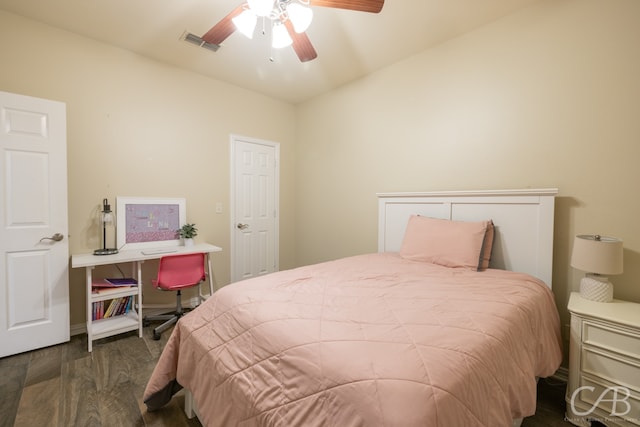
120 307
112 306
121 281
123 307
112 285
112 282
107 311
98 310
107 291
115 307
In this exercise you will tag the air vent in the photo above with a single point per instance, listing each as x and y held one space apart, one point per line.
196 40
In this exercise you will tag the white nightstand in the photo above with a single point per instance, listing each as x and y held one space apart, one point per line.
604 363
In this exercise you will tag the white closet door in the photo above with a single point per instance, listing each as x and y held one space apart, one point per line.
255 208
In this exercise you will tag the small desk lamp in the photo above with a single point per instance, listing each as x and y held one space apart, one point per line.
597 255
106 218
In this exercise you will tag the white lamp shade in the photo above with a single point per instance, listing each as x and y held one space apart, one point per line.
300 17
261 7
597 254
246 23
281 37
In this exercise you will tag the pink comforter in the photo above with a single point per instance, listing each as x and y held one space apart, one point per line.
371 340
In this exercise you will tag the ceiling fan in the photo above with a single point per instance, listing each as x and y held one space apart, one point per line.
289 20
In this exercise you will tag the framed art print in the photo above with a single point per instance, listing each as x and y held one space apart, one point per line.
147 222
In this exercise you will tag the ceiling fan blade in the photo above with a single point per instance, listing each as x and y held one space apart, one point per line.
373 6
301 43
224 28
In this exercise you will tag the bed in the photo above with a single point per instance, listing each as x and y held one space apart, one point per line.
411 335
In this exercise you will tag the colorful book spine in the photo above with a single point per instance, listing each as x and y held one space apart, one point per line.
115 307
107 313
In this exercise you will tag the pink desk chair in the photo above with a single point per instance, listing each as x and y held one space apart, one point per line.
175 273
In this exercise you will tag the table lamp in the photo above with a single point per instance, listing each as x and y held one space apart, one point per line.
598 256
106 218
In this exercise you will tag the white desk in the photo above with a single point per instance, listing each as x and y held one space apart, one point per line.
102 328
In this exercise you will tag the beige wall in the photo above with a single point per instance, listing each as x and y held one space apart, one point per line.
137 127
547 97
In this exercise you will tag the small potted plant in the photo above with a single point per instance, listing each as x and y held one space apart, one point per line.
187 232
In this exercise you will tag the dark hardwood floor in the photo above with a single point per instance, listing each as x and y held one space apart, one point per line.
550 406
64 385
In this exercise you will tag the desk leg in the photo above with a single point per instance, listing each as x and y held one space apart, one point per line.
138 275
89 281
210 276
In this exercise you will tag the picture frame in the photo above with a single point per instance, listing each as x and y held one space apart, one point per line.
149 222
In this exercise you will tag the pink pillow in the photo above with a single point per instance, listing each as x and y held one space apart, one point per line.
444 242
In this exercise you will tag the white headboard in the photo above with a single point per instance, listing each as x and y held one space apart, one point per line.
523 222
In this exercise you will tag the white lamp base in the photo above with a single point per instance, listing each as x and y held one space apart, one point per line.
596 288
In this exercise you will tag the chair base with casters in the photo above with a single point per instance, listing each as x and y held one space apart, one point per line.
170 319
176 272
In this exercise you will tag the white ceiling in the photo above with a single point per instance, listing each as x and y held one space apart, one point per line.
349 44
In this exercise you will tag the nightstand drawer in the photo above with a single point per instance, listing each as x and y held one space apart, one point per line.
622 371
611 339
604 395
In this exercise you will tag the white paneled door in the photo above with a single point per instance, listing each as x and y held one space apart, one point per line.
255 193
34 252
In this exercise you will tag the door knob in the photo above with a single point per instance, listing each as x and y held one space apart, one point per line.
56 237
242 226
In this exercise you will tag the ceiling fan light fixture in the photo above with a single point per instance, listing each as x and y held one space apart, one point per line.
300 16
246 23
289 20
280 36
261 7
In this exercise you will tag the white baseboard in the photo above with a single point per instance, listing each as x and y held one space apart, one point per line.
79 329
148 309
